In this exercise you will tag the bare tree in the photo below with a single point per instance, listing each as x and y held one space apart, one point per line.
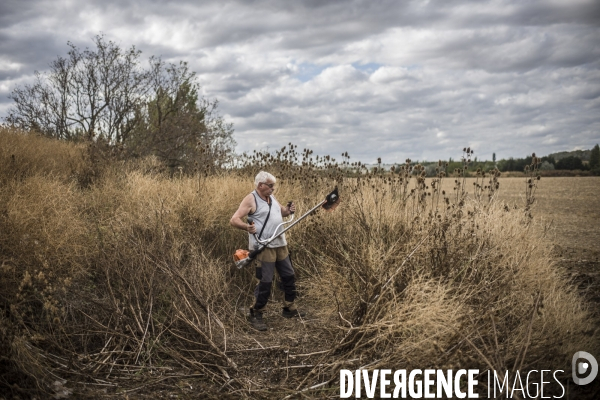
105 94
90 94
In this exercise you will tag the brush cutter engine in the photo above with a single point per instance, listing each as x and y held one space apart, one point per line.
240 254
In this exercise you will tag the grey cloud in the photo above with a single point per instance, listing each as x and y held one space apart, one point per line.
508 77
423 111
542 13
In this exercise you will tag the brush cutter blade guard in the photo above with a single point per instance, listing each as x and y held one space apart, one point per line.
332 200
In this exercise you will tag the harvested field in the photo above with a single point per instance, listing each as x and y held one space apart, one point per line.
571 207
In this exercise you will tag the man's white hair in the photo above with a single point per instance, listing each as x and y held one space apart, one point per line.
263 177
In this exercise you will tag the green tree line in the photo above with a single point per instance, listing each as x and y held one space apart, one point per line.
549 163
513 164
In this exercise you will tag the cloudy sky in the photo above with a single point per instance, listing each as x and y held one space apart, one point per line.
379 78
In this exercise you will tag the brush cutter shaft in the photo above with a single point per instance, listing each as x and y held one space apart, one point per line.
329 204
304 216
276 235
263 244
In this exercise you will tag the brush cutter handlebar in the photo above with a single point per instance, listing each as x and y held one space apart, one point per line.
275 234
329 204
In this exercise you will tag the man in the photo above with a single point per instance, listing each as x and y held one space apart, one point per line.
267 214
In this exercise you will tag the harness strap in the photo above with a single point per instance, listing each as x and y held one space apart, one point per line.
269 202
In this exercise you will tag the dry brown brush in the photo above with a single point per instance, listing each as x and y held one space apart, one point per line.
122 282
117 281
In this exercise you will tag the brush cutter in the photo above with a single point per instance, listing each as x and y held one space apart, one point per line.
245 257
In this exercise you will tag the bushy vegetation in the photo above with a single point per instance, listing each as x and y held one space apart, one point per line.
546 164
595 160
579 160
117 278
106 96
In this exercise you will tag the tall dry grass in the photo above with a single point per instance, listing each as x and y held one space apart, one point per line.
124 281
406 295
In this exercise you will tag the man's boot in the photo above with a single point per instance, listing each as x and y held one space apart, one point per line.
287 313
290 310
256 320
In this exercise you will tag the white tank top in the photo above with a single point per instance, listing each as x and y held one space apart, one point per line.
260 215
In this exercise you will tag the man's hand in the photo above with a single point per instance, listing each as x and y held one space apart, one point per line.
289 209
251 228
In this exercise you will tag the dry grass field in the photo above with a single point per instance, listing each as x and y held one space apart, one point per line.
567 208
116 279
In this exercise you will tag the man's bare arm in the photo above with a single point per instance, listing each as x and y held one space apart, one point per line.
246 207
